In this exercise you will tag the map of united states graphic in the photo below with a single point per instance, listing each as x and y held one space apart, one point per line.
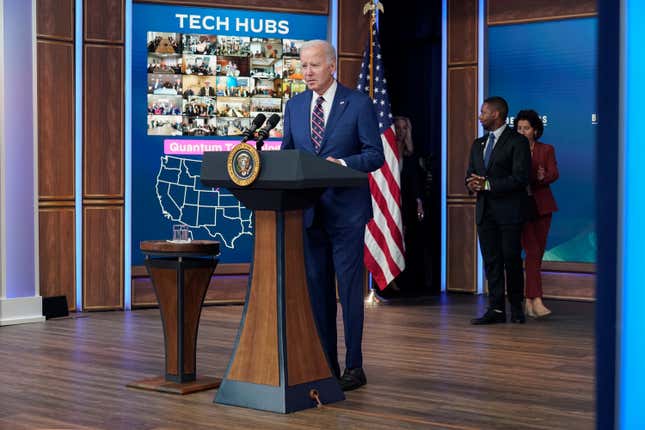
183 199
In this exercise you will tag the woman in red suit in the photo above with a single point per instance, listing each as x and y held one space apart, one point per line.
544 171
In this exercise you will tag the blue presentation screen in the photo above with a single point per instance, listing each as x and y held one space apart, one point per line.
551 67
199 76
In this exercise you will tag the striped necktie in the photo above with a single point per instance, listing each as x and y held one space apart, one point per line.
318 124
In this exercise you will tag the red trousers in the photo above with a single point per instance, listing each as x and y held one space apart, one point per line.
534 235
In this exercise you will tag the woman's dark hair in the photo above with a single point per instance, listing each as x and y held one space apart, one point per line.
533 118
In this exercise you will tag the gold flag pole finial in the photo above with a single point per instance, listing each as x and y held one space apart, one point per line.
372 7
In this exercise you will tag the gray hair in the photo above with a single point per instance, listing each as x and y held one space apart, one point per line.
328 49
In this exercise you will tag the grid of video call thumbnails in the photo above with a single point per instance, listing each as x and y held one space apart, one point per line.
210 85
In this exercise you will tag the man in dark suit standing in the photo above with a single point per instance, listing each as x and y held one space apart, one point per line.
498 172
207 90
340 125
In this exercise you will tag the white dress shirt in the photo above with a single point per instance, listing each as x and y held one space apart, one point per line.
497 133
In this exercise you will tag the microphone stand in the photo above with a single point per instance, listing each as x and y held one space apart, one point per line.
259 144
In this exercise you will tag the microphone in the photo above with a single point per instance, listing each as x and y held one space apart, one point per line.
263 133
257 122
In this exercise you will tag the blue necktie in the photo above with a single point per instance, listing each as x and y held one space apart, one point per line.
489 148
318 124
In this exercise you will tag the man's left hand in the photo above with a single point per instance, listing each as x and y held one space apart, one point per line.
475 183
334 160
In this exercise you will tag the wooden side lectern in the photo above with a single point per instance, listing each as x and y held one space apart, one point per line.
278 363
180 274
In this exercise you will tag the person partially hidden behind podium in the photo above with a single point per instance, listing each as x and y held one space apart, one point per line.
498 172
340 125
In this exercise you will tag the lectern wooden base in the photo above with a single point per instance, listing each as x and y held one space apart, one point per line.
160 384
278 363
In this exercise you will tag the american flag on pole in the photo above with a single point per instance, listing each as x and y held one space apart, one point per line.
384 250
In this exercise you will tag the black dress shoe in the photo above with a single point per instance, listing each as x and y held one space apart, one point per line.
518 318
352 379
517 314
491 316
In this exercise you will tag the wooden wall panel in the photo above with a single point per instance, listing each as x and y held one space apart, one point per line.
320 7
462 125
103 154
565 266
462 248
462 109
462 31
103 102
55 19
55 120
569 285
353 28
348 70
57 253
56 149
103 257
104 20
512 11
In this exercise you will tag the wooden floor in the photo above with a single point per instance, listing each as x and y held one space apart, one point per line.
427 368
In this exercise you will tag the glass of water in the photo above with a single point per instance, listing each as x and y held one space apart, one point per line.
176 232
185 233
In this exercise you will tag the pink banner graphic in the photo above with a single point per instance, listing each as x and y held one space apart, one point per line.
198 147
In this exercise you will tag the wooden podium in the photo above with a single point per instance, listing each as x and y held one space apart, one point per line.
278 363
180 274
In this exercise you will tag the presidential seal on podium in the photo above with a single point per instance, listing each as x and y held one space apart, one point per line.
243 164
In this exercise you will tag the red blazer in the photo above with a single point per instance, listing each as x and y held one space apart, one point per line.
544 155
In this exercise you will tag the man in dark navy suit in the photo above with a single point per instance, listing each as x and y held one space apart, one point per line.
207 90
498 173
340 125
